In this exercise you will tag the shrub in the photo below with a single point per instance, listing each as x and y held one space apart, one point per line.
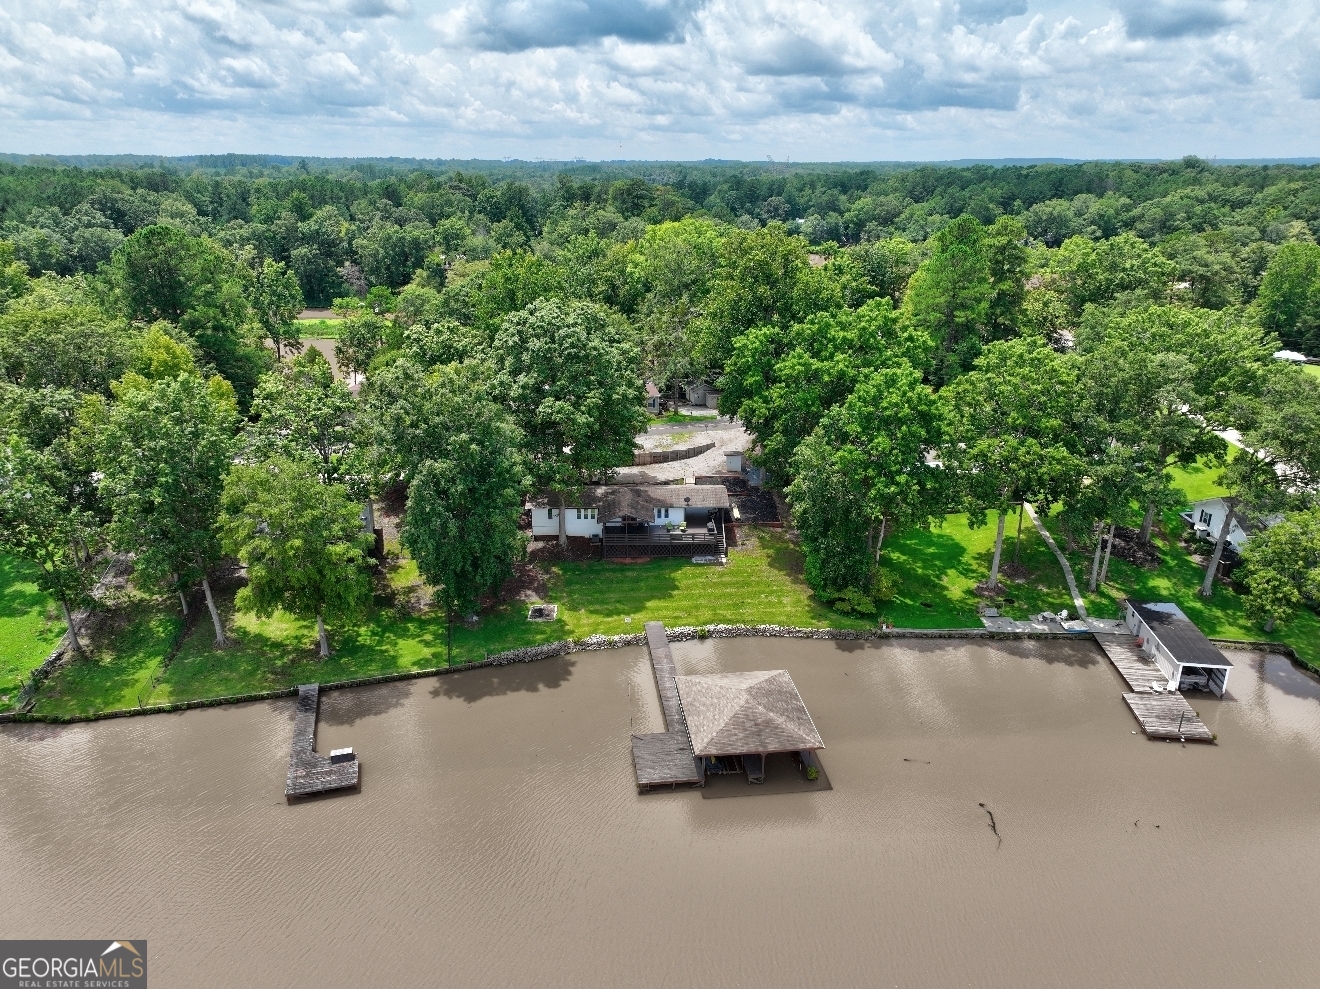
850 600
884 585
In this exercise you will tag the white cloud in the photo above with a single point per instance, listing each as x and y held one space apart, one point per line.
814 79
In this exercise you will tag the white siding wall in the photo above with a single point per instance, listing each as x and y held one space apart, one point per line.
1154 648
1211 515
580 522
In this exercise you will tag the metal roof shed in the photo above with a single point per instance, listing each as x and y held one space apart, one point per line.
1177 646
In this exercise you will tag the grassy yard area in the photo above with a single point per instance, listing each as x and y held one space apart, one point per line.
1178 579
319 329
1312 369
30 626
761 584
938 571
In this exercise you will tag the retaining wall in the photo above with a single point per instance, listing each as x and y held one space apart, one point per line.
591 643
644 458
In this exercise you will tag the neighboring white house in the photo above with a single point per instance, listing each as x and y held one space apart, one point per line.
1177 646
652 398
1290 355
1207 518
656 506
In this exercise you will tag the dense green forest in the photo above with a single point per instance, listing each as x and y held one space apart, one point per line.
903 343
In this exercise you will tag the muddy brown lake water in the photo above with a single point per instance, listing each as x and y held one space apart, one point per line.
499 839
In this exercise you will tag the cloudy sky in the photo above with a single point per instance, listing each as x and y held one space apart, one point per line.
663 79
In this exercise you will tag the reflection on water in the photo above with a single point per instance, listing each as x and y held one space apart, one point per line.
499 840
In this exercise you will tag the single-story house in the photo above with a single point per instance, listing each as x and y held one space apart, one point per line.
652 398
1177 646
748 716
652 519
1207 518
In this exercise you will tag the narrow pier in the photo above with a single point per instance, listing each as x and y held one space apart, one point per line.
665 758
1142 675
309 773
1162 713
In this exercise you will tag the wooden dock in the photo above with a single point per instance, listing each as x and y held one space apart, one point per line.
1168 716
662 663
665 758
1162 713
1142 675
311 774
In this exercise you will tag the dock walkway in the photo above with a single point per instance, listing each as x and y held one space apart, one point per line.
1141 674
1162 713
665 758
309 773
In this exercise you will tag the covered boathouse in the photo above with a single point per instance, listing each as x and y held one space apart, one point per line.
735 720
1184 655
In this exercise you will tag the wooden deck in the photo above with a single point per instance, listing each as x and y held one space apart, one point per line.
311 774
697 542
1165 714
1168 716
665 758
1142 675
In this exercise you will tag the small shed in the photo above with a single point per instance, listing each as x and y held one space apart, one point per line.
1177 646
652 398
748 715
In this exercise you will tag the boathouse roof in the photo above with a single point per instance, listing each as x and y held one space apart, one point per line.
743 713
1179 634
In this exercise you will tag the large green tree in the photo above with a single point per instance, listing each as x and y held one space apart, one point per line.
1289 297
165 447
301 541
463 505
1282 568
571 378
949 297
866 472
276 301
764 277
1011 438
40 525
780 381
300 410
61 339
164 273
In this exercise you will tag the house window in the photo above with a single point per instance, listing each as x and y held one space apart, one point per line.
550 513
662 513
1205 517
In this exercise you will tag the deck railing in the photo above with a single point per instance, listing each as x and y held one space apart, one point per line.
664 543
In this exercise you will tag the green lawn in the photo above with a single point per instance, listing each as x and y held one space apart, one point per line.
937 572
1312 369
30 626
120 672
679 419
319 329
1178 579
761 584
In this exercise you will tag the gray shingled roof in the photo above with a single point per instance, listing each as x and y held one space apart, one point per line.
740 713
641 500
